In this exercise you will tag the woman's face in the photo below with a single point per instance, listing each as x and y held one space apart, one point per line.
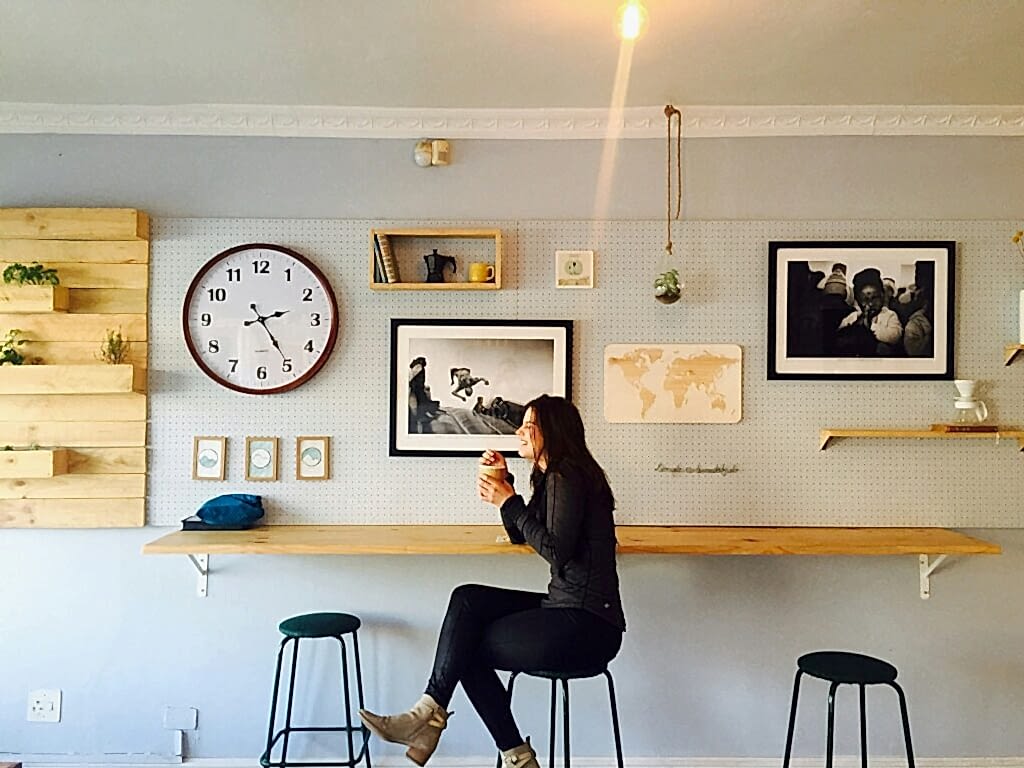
531 441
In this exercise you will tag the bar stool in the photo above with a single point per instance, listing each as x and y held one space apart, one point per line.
846 668
317 625
564 678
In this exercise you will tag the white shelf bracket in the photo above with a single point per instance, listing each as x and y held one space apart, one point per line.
926 569
202 566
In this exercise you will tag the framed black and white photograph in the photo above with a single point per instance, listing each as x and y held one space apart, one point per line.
861 309
459 387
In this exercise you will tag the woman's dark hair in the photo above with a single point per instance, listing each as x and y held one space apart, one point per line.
565 445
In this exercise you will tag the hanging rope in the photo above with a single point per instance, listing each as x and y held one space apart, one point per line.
671 112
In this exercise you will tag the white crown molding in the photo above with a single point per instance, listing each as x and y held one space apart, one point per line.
403 123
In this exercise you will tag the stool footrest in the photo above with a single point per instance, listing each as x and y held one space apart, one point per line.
359 757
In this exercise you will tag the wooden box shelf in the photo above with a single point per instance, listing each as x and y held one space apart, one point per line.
409 245
18 299
69 379
28 464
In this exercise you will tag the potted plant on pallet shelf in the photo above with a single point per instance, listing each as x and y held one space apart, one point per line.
32 288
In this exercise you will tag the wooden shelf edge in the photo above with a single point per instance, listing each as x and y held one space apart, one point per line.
89 378
466 286
482 232
481 539
33 299
33 464
1010 352
827 435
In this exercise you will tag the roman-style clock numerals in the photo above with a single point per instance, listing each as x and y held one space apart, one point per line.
260 318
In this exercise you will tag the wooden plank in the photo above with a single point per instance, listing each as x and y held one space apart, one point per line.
72 513
71 327
121 486
727 540
33 298
73 224
103 301
130 406
98 378
76 275
827 435
45 462
57 252
76 434
89 461
79 352
482 540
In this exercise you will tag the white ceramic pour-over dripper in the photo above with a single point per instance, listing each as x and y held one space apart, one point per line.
966 402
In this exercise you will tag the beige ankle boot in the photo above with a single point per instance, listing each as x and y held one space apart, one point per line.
522 756
419 728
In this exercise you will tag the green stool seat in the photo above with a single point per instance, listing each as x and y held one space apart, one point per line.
319 625
341 627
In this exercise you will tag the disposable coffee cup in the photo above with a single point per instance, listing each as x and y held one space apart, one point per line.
498 473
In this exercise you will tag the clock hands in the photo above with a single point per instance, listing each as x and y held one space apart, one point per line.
262 320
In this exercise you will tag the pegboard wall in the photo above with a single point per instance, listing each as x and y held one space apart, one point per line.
782 479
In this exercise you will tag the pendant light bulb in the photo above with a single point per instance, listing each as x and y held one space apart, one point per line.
631 19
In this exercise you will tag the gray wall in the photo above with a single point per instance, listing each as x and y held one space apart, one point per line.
707 666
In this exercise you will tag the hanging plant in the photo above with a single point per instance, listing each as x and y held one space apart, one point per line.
35 274
667 287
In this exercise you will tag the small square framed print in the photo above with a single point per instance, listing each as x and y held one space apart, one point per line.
208 455
261 458
312 458
574 269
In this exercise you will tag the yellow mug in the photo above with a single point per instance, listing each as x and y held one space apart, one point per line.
479 272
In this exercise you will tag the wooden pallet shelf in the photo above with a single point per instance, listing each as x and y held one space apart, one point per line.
69 379
42 462
95 413
827 435
409 245
17 299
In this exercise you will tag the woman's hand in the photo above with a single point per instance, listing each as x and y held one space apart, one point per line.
493 490
493 459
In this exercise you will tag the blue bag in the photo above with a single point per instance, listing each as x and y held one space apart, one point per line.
230 512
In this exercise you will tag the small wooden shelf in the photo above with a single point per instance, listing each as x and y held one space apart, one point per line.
828 435
408 246
30 464
19 299
1010 352
69 379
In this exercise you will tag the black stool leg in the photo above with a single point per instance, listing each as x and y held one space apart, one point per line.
348 700
265 758
906 723
291 700
365 751
792 719
863 730
551 726
565 721
831 722
615 718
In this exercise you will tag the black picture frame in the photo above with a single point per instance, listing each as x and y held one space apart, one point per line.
459 387
818 329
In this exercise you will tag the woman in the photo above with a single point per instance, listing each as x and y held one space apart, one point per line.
578 623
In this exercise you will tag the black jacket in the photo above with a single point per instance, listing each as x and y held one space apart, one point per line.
571 526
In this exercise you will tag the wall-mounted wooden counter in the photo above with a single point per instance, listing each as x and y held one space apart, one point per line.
633 539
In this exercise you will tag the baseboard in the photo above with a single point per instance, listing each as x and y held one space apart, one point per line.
397 761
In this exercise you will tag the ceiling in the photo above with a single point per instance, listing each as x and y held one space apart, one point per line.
509 53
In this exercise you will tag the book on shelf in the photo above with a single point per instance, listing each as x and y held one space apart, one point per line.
378 263
388 259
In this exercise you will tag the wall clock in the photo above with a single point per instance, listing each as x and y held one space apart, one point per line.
260 319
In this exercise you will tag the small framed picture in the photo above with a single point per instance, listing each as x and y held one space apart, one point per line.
261 458
574 269
313 458
208 457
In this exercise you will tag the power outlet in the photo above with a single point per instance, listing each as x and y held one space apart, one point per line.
44 705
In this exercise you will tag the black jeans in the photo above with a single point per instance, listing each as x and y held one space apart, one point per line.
489 628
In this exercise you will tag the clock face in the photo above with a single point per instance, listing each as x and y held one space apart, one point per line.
260 319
